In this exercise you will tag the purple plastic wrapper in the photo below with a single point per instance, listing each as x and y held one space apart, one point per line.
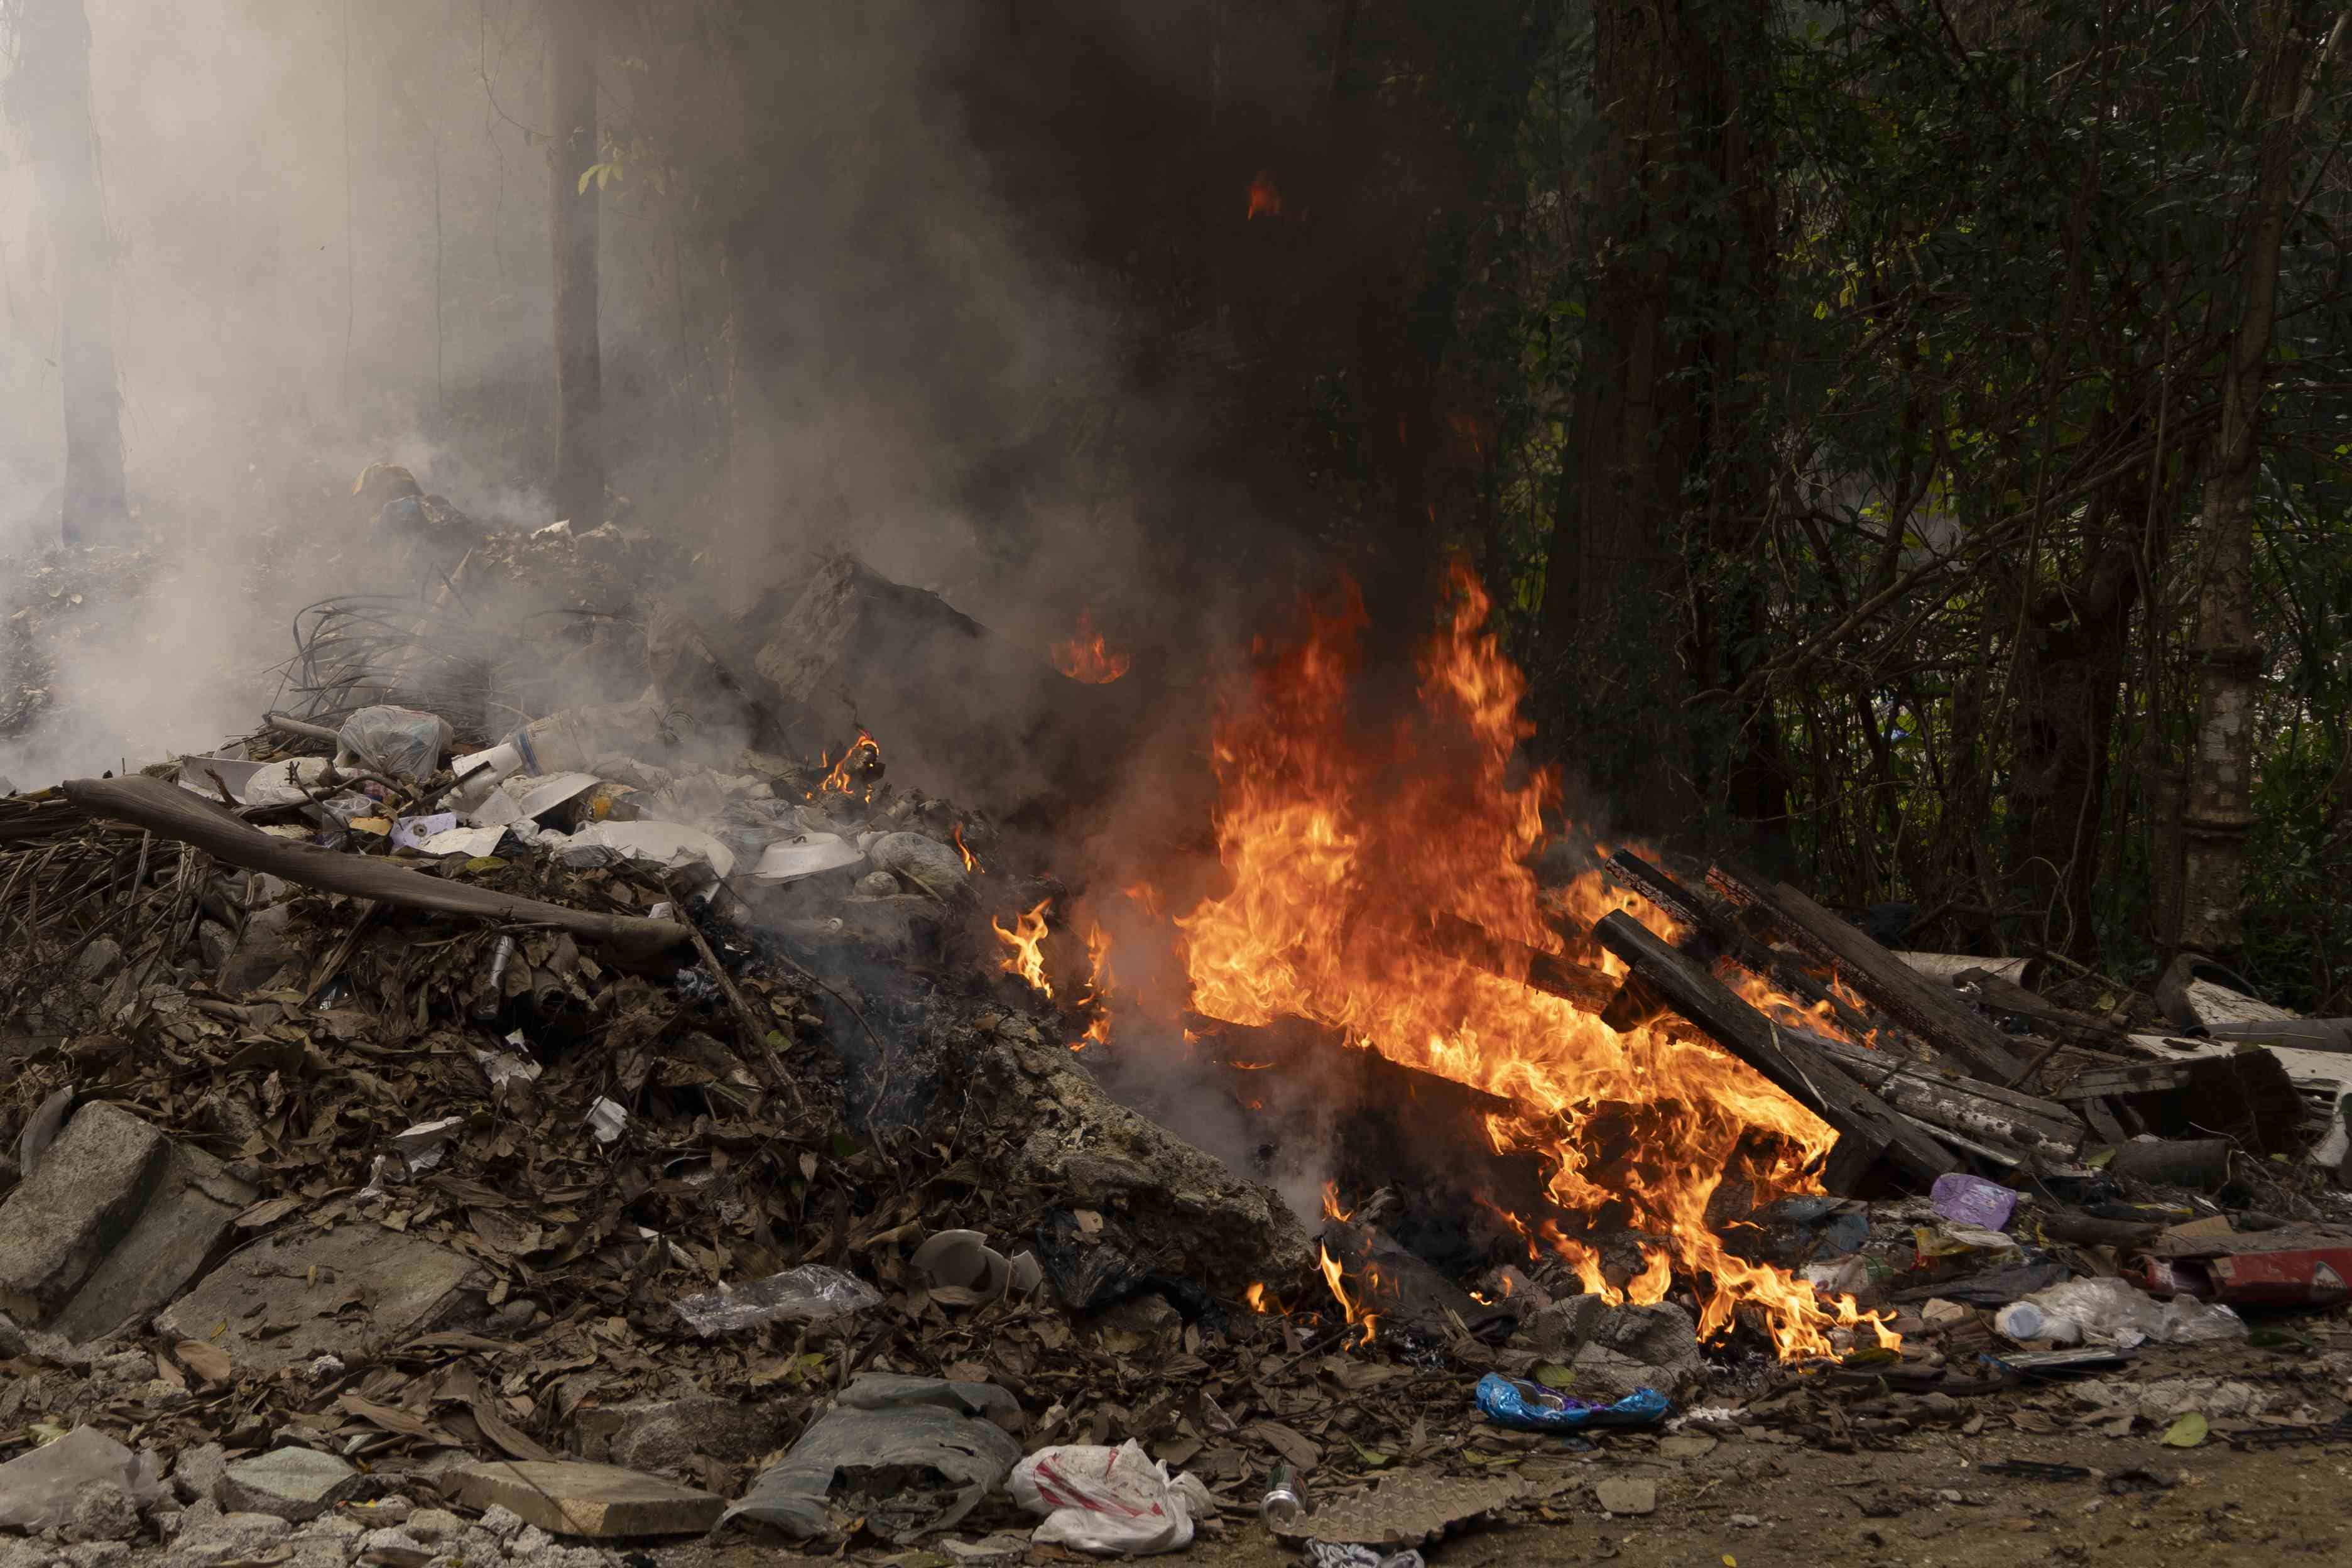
1973 1200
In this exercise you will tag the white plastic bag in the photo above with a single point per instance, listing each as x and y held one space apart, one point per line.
399 742
1116 1500
2114 1312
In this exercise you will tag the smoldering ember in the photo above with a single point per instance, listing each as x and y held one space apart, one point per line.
1359 783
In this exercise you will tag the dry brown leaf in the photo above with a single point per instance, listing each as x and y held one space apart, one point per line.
208 1361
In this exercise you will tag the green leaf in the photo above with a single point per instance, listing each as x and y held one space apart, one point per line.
586 174
2188 1430
1370 1459
1551 1374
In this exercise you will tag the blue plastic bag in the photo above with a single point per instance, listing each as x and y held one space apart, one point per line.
1532 1407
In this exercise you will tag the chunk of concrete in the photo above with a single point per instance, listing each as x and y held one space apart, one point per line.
568 1498
198 1471
114 1223
295 1484
1627 1494
39 1491
234 1536
286 1301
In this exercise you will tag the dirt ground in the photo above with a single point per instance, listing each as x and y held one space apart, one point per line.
1769 1499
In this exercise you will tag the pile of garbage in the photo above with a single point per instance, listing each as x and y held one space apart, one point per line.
430 1138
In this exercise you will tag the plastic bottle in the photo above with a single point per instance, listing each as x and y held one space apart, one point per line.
1283 1502
2023 1321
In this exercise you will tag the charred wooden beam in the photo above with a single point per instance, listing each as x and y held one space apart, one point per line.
1555 975
1808 1076
1721 926
1933 1012
2246 1095
2000 995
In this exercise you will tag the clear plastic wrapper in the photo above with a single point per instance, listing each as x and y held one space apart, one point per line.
808 1294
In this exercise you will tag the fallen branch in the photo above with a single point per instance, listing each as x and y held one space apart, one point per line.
184 817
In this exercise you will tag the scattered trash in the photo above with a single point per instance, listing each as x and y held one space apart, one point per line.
2027 1321
420 1147
919 1452
2114 1312
1336 1554
805 855
399 742
1532 1407
1972 1201
411 832
607 1119
961 1268
1113 1500
809 1294
1406 1509
1283 1502
672 845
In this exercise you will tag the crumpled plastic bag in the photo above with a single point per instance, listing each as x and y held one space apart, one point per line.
1532 1407
887 1422
2116 1312
399 742
808 1294
1098 1498
37 1490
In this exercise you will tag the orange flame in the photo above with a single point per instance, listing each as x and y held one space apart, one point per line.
1086 657
1264 200
1026 939
970 861
861 751
1325 835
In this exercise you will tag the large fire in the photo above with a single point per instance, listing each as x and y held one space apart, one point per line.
1087 658
1335 840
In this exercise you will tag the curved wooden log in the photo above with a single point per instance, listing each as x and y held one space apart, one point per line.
171 812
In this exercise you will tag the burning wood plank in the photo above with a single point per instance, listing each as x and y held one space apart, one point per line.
1721 926
1930 1011
1555 975
1785 1059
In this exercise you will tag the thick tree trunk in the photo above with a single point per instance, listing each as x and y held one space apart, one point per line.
1657 407
2216 810
51 100
579 479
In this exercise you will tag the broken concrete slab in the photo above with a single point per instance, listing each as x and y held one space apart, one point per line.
114 1223
284 1299
235 1537
1626 1494
573 1498
295 1484
38 1491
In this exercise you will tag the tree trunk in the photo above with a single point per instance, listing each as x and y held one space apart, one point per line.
51 100
579 479
2217 811
1656 404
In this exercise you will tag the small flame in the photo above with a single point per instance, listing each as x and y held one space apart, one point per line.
864 752
1331 1209
1145 895
970 861
1262 1300
1264 200
1086 657
1027 939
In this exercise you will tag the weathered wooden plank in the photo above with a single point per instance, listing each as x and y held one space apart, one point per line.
1932 1012
1965 1105
1807 1076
